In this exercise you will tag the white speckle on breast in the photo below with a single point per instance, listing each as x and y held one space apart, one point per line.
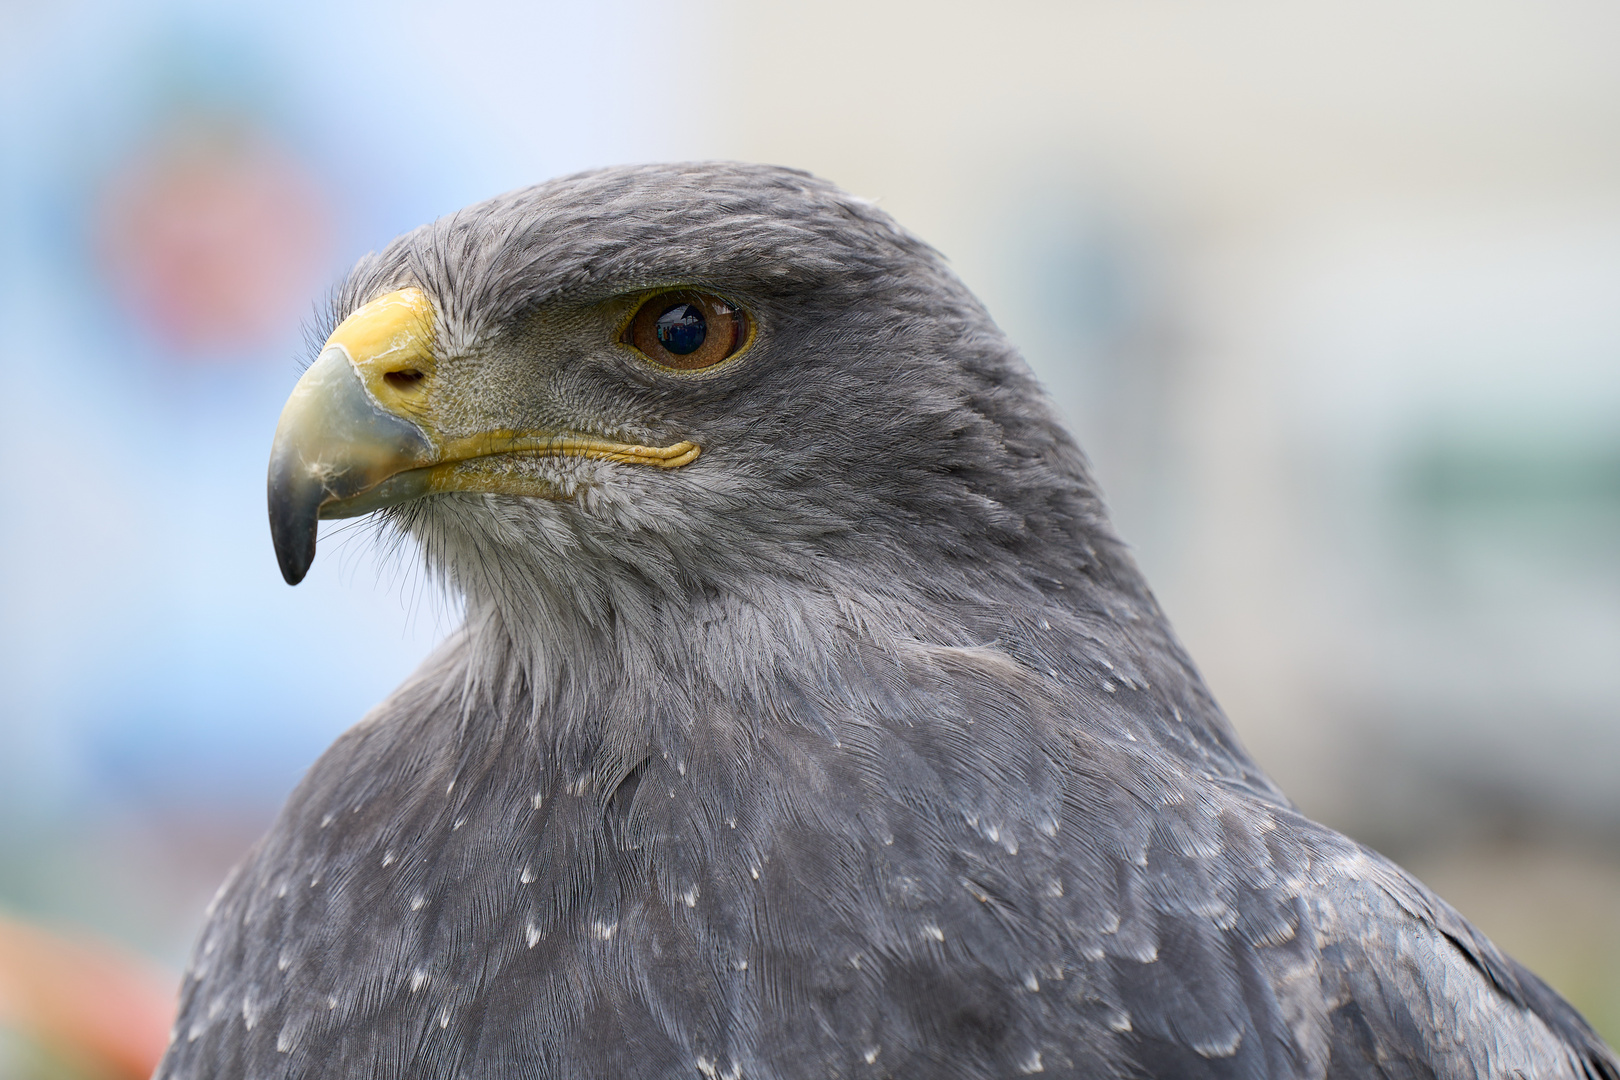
1054 888
712 1072
326 820
451 786
537 799
1032 1064
690 896
871 1053
418 978
389 857
1120 1022
284 1041
531 934
1224 1048
458 823
1031 983
331 1001
930 930
603 930
753 872
417 901
527 877
444 1017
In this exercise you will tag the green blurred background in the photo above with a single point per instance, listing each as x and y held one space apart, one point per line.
1330 292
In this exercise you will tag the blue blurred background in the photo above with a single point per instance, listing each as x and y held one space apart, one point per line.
1331 293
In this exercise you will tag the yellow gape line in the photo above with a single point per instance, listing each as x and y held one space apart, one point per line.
493 443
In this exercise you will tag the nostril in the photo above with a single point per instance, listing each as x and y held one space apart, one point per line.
403 380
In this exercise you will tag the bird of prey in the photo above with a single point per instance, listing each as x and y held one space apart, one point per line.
809 719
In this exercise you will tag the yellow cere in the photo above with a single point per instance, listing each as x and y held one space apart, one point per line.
392 335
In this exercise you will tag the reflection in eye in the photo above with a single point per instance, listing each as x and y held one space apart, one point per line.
687 330
681 329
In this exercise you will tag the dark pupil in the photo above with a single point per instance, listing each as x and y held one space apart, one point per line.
681 329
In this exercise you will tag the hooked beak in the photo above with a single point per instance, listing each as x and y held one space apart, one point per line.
357 434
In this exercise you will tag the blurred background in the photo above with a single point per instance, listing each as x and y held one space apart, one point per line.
1330 293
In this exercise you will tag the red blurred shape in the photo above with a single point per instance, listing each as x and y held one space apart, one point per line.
89 1000
214 236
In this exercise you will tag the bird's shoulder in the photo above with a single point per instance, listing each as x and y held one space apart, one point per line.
1124 901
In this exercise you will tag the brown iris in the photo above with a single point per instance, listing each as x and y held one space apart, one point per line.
687 330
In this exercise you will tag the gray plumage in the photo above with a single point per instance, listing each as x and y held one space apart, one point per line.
856 748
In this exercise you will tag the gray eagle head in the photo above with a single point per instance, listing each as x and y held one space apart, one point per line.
691 417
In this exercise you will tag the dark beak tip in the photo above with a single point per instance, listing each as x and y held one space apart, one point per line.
294 519
293 569
295 549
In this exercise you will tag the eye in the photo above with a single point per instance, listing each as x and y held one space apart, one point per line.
687 330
